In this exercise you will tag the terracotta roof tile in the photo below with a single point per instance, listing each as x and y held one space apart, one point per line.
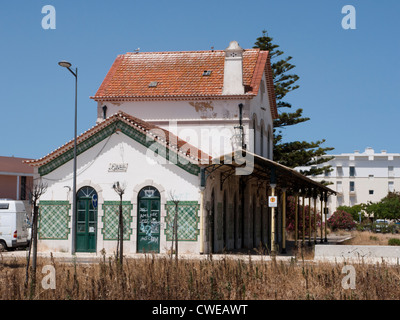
180 75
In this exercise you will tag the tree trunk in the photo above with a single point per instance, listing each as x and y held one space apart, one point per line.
34 242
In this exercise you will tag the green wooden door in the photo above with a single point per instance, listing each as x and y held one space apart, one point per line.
149 220
86 221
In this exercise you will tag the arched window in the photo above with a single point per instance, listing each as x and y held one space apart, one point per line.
254 134
262 141
104 112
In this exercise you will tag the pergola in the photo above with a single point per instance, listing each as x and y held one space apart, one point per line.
280 179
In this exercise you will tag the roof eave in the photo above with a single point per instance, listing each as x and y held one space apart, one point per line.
177 97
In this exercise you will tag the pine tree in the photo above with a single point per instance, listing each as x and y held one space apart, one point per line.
296 153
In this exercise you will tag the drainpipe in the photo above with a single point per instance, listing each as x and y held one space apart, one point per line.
202 188
201 220
241 124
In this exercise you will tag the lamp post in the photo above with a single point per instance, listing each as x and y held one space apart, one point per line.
68 65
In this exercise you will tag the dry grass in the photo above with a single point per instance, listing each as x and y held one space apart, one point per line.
153 278
370 238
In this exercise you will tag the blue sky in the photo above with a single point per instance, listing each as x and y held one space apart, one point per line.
349 83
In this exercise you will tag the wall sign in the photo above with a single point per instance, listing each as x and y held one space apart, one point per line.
117 167
273 201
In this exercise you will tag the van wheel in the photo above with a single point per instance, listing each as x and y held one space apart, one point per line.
3 246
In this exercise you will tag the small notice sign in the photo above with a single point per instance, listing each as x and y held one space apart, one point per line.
273 201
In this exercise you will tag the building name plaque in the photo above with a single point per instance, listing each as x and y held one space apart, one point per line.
117 167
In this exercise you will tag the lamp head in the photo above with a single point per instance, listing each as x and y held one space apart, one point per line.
65 64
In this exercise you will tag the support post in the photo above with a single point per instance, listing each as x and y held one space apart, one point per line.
315 218
309 220
284 220
322 214
304 222
296 221
273 247
326 216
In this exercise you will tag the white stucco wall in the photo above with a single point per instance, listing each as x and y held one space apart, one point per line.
260 112
202 123
92 170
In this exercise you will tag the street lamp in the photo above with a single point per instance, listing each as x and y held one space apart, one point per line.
66 64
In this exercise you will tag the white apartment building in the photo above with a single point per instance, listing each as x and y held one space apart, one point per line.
361 177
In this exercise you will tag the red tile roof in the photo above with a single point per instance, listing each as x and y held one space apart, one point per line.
179 75
171 141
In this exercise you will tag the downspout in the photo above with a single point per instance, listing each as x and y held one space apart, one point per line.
202 188
201 221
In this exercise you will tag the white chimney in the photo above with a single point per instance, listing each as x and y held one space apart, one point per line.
369 150
233 71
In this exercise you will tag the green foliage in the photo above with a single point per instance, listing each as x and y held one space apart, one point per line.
354 210
296 153
394 242
387 208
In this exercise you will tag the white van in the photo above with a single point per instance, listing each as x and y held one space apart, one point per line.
13 225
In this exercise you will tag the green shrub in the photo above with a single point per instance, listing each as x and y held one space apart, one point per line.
394 242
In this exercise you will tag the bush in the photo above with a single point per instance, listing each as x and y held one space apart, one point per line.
394 242
341 220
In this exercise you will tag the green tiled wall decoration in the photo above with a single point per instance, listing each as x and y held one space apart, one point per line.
53 220
131 132
188 220
110 219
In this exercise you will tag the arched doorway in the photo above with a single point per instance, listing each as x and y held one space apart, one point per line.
86 220
148 223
